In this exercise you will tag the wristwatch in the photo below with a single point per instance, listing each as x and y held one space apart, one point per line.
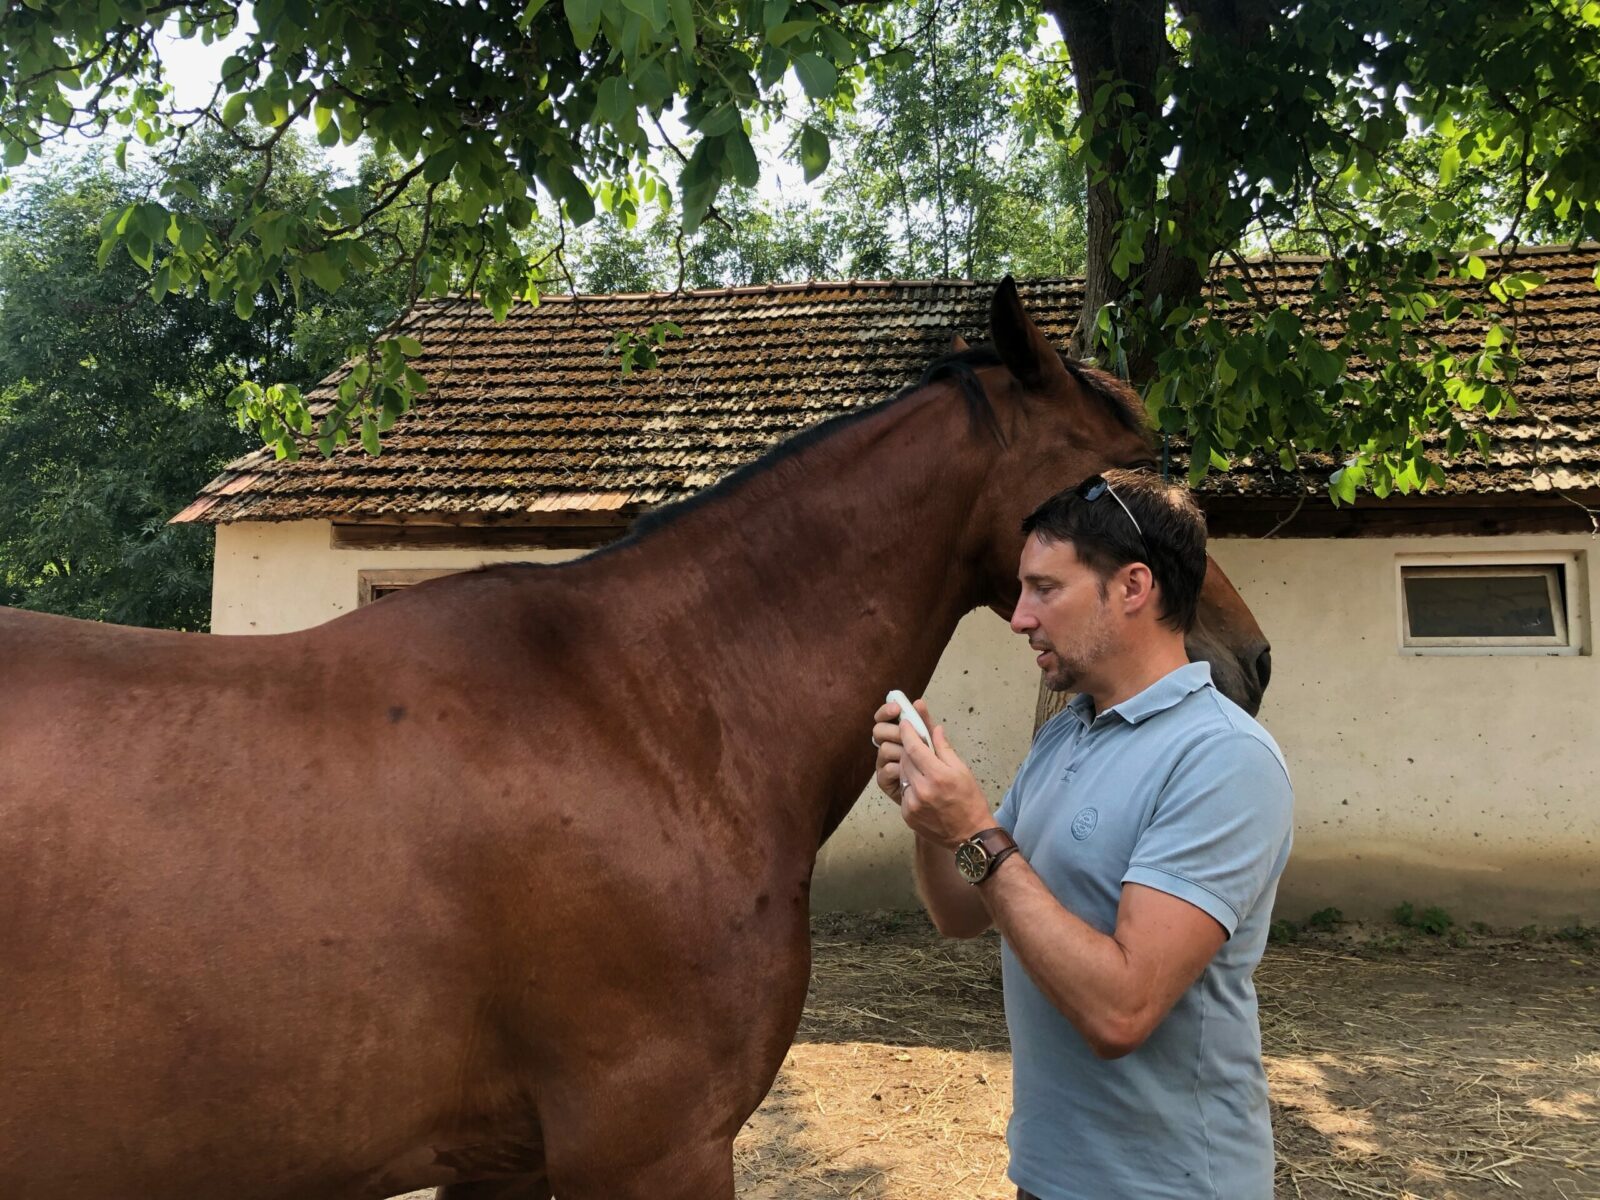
980 854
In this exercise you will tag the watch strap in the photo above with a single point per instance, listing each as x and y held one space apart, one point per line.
994 863
994 841
997 844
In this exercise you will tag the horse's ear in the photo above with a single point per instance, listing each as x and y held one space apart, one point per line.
958 344
1026 351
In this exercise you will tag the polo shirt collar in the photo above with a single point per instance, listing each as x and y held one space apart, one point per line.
1158 697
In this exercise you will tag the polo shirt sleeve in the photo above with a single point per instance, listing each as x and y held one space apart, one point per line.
1006 815
1220 830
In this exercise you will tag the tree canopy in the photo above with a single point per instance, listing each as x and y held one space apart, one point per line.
112 406
1399 139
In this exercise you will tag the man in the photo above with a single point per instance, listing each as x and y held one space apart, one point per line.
1151 821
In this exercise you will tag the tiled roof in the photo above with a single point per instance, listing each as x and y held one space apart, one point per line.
532 416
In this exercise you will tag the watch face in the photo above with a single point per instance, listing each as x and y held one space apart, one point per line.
972 860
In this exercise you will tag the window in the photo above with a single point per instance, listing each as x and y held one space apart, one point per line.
375 585
1509 604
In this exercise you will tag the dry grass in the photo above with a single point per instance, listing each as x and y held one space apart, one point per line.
1451 1073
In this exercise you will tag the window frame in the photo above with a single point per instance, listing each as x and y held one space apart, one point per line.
1566 596
375 583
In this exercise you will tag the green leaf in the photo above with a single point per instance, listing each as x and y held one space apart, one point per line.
1226 373
1342 484
409 346
818 76
683 24
1449 164
233 109
1323 365
139 248
369 437
322 270
1522 282
653 11
244 305
583 16
719 121
741 156
1199 459
815 152
565 186
235 72
789 30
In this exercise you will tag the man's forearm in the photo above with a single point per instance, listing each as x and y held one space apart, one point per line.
1084 973
953 903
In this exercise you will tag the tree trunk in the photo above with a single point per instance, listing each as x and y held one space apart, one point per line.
1126 40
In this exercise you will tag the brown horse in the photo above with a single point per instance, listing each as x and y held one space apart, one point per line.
500 884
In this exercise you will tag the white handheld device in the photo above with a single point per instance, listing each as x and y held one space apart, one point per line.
910 716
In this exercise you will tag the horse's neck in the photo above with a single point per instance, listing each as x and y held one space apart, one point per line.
799 597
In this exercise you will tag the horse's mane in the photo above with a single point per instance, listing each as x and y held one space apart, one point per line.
1119 399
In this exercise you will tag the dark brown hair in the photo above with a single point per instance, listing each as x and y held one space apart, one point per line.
1170 538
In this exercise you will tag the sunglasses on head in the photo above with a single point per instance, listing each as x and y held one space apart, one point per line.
1092 488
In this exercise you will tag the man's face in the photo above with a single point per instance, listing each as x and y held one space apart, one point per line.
1063 613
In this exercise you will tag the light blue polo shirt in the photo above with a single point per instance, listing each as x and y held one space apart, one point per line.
1176 788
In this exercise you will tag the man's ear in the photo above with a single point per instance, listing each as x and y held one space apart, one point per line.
1132 586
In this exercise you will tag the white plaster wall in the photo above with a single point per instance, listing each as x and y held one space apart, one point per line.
984 692
276 576
1467 782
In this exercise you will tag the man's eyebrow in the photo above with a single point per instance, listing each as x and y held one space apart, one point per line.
1035 578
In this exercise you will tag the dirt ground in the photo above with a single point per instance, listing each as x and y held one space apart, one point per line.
1401 1066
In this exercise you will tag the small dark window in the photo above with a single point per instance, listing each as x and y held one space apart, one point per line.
376 584
1514 605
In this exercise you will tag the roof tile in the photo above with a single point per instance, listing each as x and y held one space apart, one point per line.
532 415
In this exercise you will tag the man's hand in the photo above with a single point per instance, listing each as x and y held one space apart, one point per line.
940 798
886 737
955 906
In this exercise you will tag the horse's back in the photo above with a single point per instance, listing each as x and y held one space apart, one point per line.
203 893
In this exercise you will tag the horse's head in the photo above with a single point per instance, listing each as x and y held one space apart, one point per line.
1061 422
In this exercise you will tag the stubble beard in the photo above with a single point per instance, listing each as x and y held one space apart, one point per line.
1092 644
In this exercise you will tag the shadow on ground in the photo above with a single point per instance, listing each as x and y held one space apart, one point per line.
1400 1066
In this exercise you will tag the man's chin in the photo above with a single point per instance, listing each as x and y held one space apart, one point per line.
1058 680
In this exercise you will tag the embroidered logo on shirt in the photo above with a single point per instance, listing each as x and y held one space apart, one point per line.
1083 824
